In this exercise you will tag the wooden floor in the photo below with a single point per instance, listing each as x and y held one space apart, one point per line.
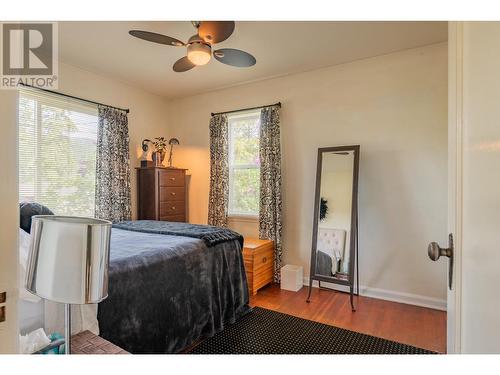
417 326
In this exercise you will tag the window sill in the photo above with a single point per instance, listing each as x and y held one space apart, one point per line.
244 218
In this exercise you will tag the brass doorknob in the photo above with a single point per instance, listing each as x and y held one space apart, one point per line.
435 252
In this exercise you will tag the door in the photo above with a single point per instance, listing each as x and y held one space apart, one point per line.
9 222
474 186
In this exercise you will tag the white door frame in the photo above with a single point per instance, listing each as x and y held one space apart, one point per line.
455 178
9 219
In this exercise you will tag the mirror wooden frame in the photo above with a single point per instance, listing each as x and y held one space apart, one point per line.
353 278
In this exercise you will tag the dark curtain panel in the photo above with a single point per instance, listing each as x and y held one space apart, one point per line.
219 171
112 201
270 225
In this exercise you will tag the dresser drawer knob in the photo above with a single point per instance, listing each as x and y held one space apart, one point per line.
172 193
264 260
172 178
173 208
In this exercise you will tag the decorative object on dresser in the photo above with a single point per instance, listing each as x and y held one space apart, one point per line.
172 142
160 149
68 262
161 194
258 256
145 148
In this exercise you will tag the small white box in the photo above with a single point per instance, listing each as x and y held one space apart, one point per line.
292 277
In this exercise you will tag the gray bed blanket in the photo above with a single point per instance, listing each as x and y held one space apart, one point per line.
167 291
209 234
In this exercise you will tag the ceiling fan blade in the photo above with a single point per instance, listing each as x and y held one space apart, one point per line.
215 31
234 57
183 65
156 38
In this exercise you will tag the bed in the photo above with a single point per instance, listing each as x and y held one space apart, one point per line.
170 284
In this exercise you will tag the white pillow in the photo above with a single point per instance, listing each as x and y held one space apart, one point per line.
24 248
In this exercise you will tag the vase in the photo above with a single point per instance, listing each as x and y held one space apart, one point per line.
158 157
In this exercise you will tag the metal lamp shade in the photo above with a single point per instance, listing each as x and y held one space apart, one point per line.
69 257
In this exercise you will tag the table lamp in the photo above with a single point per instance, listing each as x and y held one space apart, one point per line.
68 262
172 142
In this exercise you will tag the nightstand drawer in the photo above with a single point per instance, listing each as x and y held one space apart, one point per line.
262 278
263 260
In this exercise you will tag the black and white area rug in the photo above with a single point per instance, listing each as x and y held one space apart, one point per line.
264 331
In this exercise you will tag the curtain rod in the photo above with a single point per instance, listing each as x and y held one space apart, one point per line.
74 97
247 109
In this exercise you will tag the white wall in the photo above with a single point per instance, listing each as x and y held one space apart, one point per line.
480 324
395 107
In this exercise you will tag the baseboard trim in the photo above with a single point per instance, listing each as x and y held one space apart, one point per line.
388 295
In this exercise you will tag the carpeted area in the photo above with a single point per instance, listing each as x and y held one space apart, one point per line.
265 331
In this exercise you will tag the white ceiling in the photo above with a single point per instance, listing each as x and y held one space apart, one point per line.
279 47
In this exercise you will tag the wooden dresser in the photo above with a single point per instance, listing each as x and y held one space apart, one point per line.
258 256
161 194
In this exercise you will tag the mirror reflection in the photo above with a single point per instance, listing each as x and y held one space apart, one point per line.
335 213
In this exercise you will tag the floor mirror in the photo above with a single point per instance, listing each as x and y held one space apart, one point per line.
334 251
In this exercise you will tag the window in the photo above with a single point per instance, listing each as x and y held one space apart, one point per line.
244 163
57 152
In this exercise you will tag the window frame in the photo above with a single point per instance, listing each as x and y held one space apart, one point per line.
247 216
50 100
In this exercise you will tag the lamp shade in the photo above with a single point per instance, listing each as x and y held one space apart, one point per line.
69 258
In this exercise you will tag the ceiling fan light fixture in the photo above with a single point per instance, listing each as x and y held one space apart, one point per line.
199 53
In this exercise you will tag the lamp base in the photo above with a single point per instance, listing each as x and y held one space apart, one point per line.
67 328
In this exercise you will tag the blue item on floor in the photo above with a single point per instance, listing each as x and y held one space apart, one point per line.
56 346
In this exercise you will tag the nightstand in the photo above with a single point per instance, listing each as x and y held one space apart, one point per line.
259 260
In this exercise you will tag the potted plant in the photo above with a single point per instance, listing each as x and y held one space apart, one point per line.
160 149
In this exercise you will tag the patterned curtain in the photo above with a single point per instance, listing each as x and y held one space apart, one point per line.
112 193
270 182
219 171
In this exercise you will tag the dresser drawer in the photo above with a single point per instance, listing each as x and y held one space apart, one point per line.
172 208
171 178
176 218
172 193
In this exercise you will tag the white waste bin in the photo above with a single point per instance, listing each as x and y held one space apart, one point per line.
292 277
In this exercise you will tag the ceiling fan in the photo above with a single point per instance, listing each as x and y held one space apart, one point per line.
199 46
